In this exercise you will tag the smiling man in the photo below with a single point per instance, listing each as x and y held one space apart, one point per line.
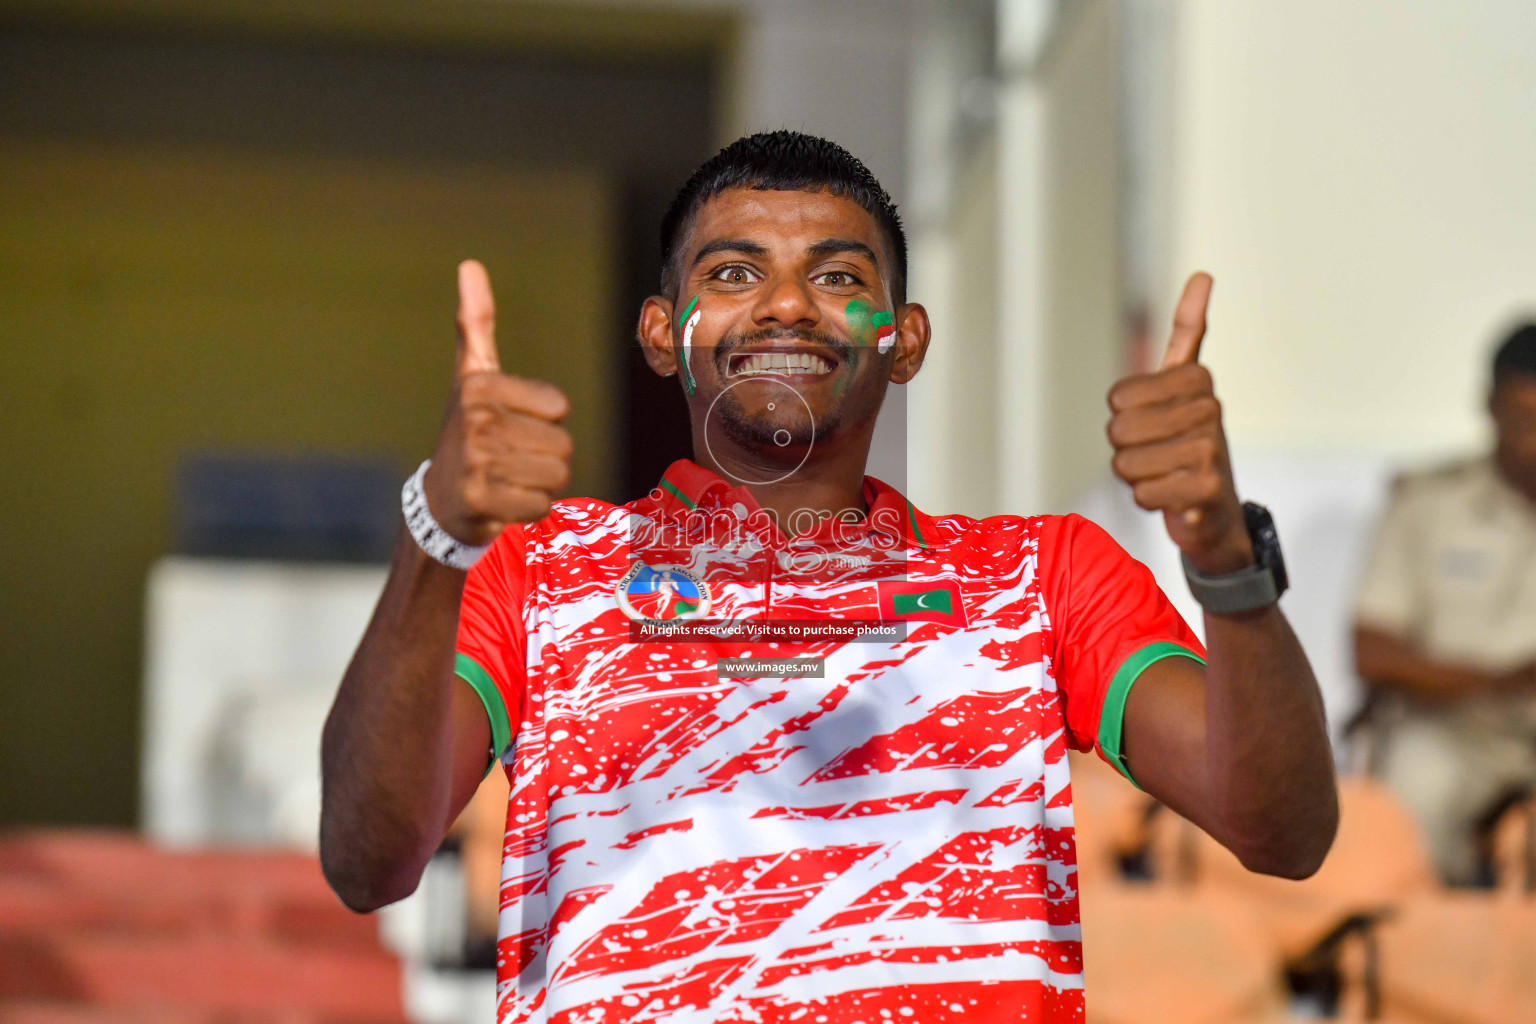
781 746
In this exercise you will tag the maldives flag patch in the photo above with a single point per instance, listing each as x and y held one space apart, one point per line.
938 601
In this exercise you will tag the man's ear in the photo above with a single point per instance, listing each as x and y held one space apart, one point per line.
655 335
912 335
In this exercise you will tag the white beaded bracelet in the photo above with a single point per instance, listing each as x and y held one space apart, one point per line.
433 539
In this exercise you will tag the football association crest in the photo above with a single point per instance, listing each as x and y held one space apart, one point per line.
661 593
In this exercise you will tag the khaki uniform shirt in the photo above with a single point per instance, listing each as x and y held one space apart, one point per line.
1454 571
1454 568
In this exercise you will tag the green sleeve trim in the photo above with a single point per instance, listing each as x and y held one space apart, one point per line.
1112 714
467 669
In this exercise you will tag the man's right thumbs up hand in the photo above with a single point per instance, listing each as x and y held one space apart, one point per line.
502 455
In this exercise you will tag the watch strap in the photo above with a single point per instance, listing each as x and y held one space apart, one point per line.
1243 591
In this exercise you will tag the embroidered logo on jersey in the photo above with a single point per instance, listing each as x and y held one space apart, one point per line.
938 601
661 593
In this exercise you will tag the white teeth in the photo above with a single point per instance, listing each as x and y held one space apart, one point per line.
782 363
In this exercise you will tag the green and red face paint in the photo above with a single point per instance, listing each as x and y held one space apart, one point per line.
866 324
686 324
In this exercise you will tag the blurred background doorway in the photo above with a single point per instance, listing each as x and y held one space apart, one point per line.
230 230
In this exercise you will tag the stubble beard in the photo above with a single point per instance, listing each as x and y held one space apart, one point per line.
761 432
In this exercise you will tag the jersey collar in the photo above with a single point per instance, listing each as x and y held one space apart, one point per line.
687 486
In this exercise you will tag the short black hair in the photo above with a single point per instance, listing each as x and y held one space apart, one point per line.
782 161
1517 355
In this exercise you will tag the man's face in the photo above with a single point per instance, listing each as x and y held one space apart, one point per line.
789 299
1513 405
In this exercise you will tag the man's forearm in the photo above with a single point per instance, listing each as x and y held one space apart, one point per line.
405 745
1382 659
1241 749
386 753
1269 761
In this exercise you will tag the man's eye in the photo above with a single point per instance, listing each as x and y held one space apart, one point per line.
836 279
734 275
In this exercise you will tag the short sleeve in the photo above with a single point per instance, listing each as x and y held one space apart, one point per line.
492 641
1109 620
1388 598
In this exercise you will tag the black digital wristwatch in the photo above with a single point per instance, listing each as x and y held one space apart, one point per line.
1259 585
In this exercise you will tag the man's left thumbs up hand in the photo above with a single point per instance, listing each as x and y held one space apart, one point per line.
1170 447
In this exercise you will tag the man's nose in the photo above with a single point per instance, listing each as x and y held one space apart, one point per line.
788 301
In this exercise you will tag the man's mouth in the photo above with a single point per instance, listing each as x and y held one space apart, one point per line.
781 364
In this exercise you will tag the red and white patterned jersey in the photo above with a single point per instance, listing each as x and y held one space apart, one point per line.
889 841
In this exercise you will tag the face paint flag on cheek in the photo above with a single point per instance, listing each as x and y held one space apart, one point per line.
687 322
885 331
861 322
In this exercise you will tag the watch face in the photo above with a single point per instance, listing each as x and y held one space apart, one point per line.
1266 542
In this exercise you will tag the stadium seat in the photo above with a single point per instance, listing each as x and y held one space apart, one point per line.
1460 957
1324 927
98 927
108 881
1377 860
479 831
201 973
1512 842
1155 956
1110 814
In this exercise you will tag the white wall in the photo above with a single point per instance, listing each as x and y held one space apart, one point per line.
1361 179
242 660
1017 244
1084 326
952 222
836 68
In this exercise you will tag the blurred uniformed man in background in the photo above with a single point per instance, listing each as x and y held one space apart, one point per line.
1445 628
